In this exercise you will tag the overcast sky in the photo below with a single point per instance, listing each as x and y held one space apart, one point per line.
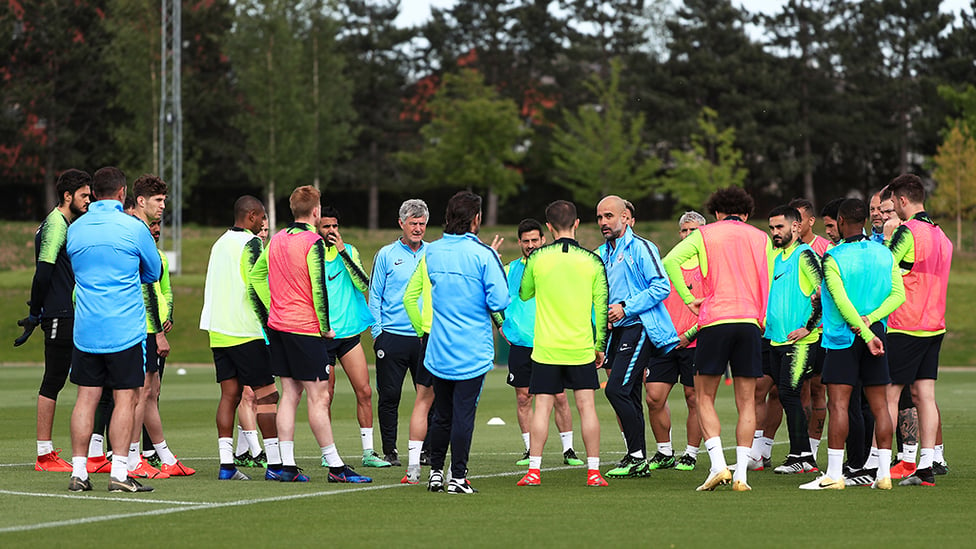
417 11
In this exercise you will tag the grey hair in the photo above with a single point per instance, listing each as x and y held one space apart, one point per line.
691 217
414 207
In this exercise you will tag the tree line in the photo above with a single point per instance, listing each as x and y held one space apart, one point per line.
520 100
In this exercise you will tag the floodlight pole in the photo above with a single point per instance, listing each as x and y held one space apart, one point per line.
171 126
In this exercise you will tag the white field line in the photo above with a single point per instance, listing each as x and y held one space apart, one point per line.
99 498
238 503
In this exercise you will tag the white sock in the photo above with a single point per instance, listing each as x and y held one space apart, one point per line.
874 458
835 463
767 447
939 456
639 454
134 458
242 445
741 459
535 462
567 440
714 448
757 434
755 453
44 447
665 448
692 451
272 451
225 448
925 458
525 439
366 434
592 463
287 452
331 456
79 467
884 462
95 446
120 468
414 448
253 444
165 455
814 445
909 452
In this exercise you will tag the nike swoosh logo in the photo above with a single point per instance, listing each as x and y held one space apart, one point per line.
777 276
398 261
689 286
333 277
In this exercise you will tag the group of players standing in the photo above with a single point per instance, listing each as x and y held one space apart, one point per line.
790 311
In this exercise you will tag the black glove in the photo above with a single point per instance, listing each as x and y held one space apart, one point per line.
29 324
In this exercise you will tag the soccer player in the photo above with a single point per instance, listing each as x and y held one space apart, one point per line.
792 319
398 349
917 328
149 193
829 215
51 306
861 287
519 330
289 278
814 395
641 325
877 220
735 271
111 254
679 364
569 283
233 316
467 285
346 280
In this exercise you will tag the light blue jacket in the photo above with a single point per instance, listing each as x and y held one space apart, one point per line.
392 268
112 255
467 285
647 287
519 326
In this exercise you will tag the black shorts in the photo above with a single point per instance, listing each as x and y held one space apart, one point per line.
58 350
818 361
124 369
299 356
549 379
855 363
338 348
678 364
793 364
737 344
519 366
767 358
913 357
249 362
154 362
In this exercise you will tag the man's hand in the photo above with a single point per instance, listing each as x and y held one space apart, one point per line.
599 359
162 345
876 346
797 335
335 239
615 313
683 341
329 335
695 305
167 326
496 243
28 324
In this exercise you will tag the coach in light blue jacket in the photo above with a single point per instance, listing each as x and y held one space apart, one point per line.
467 285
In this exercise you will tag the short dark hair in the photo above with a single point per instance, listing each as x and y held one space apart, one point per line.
853 210
630 208
147 185
331 211
106 182
908 185
245 205
529 225
561 214
70 181
462 208
731 200
830 208
802 204
129 203
789 212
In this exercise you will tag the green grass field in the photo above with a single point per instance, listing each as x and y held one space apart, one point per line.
664 510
